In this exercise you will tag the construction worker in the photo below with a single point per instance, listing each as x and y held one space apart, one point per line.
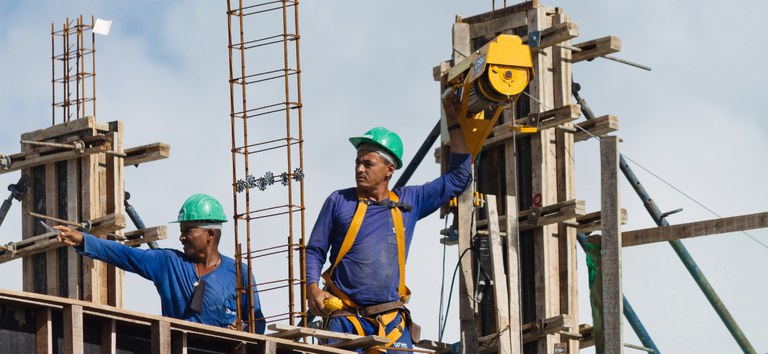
197 284
368 230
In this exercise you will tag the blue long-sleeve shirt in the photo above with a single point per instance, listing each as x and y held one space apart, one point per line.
369 272
175 276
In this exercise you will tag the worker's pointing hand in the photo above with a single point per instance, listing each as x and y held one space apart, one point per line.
68 236
315 297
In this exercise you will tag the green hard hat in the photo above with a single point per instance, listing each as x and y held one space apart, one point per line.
201 207
386 139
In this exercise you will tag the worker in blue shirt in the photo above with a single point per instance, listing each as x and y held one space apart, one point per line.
197 284
368 230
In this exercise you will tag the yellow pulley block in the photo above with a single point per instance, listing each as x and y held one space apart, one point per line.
487 82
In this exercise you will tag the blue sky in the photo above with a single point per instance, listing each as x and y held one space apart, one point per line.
695 121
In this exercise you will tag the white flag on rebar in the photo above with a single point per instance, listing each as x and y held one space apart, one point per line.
102 26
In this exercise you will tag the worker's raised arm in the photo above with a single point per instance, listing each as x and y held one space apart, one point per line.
450 106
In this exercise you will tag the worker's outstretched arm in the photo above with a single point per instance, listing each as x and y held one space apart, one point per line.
451 108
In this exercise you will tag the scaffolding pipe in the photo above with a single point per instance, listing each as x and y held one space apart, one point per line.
137 221
416 161
629 312
677 245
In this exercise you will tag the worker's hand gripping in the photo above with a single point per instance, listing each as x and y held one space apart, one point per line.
68 236
316 298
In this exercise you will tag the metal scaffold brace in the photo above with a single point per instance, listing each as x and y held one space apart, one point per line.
17 192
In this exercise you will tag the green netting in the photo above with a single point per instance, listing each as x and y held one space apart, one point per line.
595 295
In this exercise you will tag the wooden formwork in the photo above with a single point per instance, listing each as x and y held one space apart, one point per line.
75 172
535 173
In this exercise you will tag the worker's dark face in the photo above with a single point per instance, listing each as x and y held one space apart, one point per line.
372 170
195 240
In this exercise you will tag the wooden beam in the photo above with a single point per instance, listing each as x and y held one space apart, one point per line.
52 158
596 127
592 222
137 237
71 127
108 336
161 337
73 329
503 12
107 223
561 32
543 120
146 153
531 331
610 247
547 215
469 333
179 342
500 289
513 273
695 229
596 48
286 331
43 331
495 26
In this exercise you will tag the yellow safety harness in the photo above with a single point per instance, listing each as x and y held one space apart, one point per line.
381 319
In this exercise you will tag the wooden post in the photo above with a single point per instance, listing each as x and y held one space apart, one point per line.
179 342
467 310
161 337
566 184
73 329
611 246
108 336
513 278
543 182
499 277
43 331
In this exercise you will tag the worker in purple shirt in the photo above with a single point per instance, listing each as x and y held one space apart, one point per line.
198 284
368 230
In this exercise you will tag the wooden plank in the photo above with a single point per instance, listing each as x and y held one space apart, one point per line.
495 26
362 342
543 182
137 237
43 331
531 331
91 208
499 277
502 13
73 329
566 184
107 223
596 48
74 284
467 313
265 347
146 153
461 44
108 336
287 331
694 229
559 33
592 222
73 126
513 274
115 205
611 246
179 342
52 208
52 158
545 120
161 337
596 127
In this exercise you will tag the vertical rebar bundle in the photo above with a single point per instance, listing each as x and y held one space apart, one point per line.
265 86
73 70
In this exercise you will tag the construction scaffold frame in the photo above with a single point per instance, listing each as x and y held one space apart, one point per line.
259 96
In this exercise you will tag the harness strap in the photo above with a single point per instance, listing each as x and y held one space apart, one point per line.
349 239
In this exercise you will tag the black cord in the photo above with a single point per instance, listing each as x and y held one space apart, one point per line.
450 294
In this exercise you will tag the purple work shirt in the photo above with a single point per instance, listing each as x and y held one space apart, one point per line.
369 272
